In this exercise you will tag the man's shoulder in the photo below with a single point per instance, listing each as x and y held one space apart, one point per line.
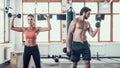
87 22
76 19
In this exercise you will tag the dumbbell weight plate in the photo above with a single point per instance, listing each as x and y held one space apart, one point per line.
18 15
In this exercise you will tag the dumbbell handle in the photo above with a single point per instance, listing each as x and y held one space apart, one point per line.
98 21
15 15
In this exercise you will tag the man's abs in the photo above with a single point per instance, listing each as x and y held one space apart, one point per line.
79 35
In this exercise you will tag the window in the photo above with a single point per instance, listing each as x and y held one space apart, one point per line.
93 6
92 22
28 8
116 28
42 36
116 7
55 33
77 6
116 21
54 8
2 24
91 19
42 8
105 32
104 7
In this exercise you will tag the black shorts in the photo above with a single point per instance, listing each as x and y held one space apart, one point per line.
79 48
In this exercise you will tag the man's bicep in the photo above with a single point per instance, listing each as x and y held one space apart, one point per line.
90 30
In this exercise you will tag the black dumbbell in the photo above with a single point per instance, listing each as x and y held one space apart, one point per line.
99 17
10 15
6 9
48 56
60 56
56 58
41 16
97 25
23 43
61 16
68 54
65 51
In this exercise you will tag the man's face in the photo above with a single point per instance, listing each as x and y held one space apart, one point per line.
87 14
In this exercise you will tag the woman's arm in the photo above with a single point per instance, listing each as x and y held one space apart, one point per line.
18 29
41 29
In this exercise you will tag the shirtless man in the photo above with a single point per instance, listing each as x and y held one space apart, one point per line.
78 28
31 32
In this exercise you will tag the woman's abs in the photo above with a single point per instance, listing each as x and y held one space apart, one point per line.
30 42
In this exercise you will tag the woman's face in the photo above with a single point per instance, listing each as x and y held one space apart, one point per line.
31 21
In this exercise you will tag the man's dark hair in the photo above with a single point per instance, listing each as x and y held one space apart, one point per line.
31 15
84 9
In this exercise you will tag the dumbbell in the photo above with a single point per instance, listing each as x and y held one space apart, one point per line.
65 51
48 56
23 43
41 16
97 25
56 58
10 15
4 9
98 18
61 16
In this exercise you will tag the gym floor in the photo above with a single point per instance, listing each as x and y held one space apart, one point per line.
65 63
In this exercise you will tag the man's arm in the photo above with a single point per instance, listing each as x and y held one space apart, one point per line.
91 32
41 29
70 33
19 29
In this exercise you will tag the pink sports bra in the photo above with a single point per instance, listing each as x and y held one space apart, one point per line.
31 34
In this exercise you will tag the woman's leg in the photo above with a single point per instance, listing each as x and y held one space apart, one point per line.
26 57
36 57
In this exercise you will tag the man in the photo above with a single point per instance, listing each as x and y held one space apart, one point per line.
77 34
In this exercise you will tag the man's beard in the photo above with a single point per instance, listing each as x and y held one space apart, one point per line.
85 17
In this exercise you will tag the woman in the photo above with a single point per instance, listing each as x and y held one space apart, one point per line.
31 32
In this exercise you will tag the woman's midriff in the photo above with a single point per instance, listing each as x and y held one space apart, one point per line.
30 42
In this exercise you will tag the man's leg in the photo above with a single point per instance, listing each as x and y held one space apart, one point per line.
75 53
75 57
87 64
86 54
74 64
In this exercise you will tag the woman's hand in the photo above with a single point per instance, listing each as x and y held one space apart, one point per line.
46 16
14 16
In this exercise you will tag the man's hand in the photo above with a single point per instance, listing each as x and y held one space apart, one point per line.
68 49
98 24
